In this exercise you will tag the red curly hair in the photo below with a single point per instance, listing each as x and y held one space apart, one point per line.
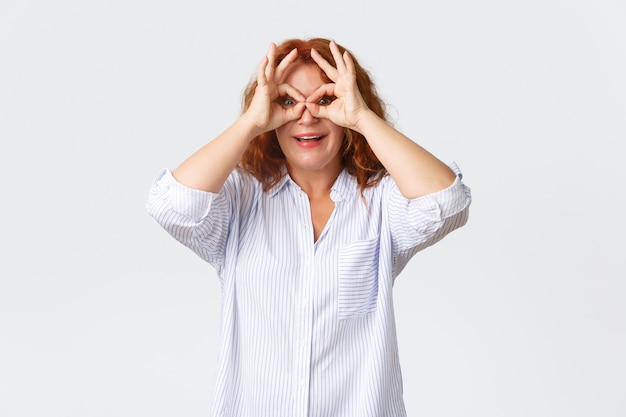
263 157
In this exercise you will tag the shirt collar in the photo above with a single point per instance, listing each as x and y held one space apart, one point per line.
281 183
344 187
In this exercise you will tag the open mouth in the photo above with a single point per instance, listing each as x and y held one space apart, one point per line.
309 138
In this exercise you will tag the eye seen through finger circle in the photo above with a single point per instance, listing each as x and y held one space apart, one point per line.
286 101
326 100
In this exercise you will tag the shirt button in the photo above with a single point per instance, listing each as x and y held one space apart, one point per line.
301 382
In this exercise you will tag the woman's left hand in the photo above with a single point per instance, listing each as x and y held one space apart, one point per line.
347 104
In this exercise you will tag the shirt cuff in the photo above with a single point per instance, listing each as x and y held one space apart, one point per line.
447 202
191 203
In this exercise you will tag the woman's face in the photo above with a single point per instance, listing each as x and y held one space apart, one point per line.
309 143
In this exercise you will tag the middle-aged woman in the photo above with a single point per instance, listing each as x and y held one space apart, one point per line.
308 206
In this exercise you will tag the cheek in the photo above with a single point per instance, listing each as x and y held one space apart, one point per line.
340 135
281 134
283 131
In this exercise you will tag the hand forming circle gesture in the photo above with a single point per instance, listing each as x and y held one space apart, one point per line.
348 105
264 111
267 114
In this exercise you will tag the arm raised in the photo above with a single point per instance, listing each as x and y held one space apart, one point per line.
415 170
209 167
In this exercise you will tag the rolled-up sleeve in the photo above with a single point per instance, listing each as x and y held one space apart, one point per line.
197 219
421 222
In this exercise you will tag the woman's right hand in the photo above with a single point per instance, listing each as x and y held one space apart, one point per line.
271 107
265 111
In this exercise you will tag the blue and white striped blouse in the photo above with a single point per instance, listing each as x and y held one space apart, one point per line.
307 327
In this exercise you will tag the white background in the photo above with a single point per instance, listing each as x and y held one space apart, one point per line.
520 313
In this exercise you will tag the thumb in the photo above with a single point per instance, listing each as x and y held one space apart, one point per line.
295 112
317 111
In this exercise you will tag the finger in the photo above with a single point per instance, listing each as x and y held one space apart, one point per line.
271 56
347 58
288 90
319 112
334 49
284 64
321 91
283 115
260 76
324 65
295 112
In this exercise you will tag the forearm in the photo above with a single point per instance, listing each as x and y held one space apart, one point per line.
415 170
209 167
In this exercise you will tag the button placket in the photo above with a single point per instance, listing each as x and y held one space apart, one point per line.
302 336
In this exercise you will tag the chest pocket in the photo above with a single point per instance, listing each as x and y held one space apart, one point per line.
358 278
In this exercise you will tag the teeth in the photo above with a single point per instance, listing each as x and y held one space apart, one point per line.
309 137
